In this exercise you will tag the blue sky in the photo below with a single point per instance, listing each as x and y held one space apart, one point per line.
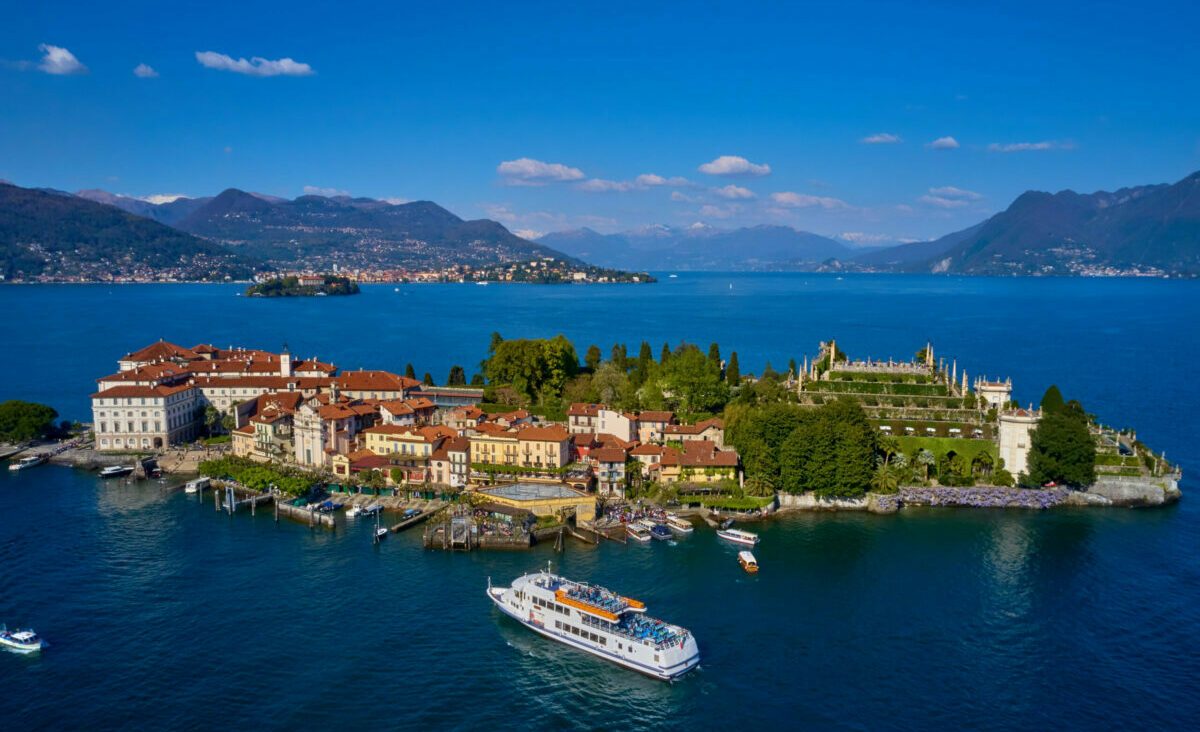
821 116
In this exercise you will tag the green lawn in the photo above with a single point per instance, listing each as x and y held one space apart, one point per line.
970 449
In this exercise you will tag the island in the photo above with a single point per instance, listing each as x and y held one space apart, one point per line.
303 286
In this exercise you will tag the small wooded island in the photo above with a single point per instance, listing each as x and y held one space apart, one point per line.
303 286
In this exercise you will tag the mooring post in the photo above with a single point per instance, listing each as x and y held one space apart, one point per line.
216 501
276 502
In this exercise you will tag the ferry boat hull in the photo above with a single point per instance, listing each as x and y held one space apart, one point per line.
677 660
21 641
738 537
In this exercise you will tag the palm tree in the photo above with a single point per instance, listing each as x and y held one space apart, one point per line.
759 486
925 458
983 462
885 480
889 446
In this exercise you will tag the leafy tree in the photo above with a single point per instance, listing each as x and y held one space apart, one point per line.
714 353
666 354
1003 478
529 365
397 475
792 367
410 372
593 357
495 343
607 384
20 421
694 382
885 480
457 377
212 419
229 421
477 380
925 459
1061 448
888 446
1052 400
732 376
427 379
769 373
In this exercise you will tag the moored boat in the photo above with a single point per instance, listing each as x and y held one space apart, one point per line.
373 509
197 485
32 461
599 622
116 471
738 536
22 641
677 524
748 562
381 533
660 531
356 510
637 532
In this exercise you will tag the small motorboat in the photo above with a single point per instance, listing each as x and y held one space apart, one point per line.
381 533
373 509
32 461
637 532
660 531
355 511
410 513
22 641
197 485
748 562
725 523
738 536
116 471
674 523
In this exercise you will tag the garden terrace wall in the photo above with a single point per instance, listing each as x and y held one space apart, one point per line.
859 387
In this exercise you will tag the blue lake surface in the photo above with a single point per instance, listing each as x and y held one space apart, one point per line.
164 614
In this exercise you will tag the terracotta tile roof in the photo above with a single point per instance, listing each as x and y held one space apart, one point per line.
601 439
693 429
579 409
608 455
553 433
245 429
656 416
399 430
491 428
699 454
474 413
374 381
161 351
648 450
141 391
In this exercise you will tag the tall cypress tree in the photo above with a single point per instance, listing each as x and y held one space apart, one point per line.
714 353
410 372
666 354
732 376
1052 400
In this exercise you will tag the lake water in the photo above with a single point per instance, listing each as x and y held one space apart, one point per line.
164 614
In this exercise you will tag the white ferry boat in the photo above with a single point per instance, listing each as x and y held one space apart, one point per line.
599 622
738 536
23 641
28 462
197 485
679 525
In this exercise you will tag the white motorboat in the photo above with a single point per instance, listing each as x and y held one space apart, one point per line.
738 536
31 461
600 622
637 532
22 641
679 525
355 511
116 471
197 485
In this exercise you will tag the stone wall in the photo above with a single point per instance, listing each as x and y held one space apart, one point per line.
1121 490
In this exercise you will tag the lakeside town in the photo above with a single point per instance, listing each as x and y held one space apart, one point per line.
540 439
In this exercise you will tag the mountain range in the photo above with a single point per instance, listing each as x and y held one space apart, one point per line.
52 233
701 247
93 234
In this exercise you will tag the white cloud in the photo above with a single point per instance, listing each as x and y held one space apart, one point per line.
57 60
952 192
1028 146
327 192
881 138
682 197
529 234
144 71
395 201
530 172
158 198
503 212
650 180
943 143
943 202
860 238
733 192
733 165
717 212
600 185
256 66
803 200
